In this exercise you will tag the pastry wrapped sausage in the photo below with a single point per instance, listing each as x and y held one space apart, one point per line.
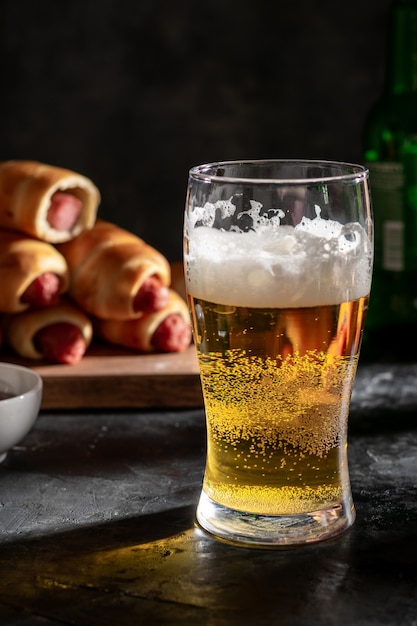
168 330
32 273
115 274
47 202
61 333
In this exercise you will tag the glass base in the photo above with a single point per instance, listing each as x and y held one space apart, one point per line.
270 531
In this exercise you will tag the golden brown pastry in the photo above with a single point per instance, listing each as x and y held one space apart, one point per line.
168 330
32 272
50 203
60 333
115 274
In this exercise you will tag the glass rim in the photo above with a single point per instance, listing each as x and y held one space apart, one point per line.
201 172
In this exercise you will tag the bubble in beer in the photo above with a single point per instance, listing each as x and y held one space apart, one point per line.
277 309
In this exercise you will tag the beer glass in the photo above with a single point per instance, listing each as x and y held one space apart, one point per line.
278 262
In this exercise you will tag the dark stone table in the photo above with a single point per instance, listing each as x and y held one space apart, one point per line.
97 525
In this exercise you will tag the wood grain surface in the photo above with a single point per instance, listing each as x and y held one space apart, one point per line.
109 378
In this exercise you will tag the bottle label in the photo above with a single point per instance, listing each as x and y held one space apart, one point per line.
393 246
387 188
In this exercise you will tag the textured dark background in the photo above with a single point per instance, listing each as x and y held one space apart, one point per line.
132 93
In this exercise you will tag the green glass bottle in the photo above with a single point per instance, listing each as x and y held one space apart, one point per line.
390 151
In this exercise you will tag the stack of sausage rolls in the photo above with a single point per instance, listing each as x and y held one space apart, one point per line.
67 276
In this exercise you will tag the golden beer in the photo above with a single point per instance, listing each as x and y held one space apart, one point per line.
278 265
276 385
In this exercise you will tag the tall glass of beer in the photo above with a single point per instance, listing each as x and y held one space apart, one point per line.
278 263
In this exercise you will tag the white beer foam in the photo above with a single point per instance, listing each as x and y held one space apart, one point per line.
317 262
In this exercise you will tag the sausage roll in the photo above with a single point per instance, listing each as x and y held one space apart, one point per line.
32 273
61 333
50 203
115 274
168 330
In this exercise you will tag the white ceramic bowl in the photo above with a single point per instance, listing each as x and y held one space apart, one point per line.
19 411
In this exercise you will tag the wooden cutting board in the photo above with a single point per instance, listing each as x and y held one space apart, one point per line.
109 378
